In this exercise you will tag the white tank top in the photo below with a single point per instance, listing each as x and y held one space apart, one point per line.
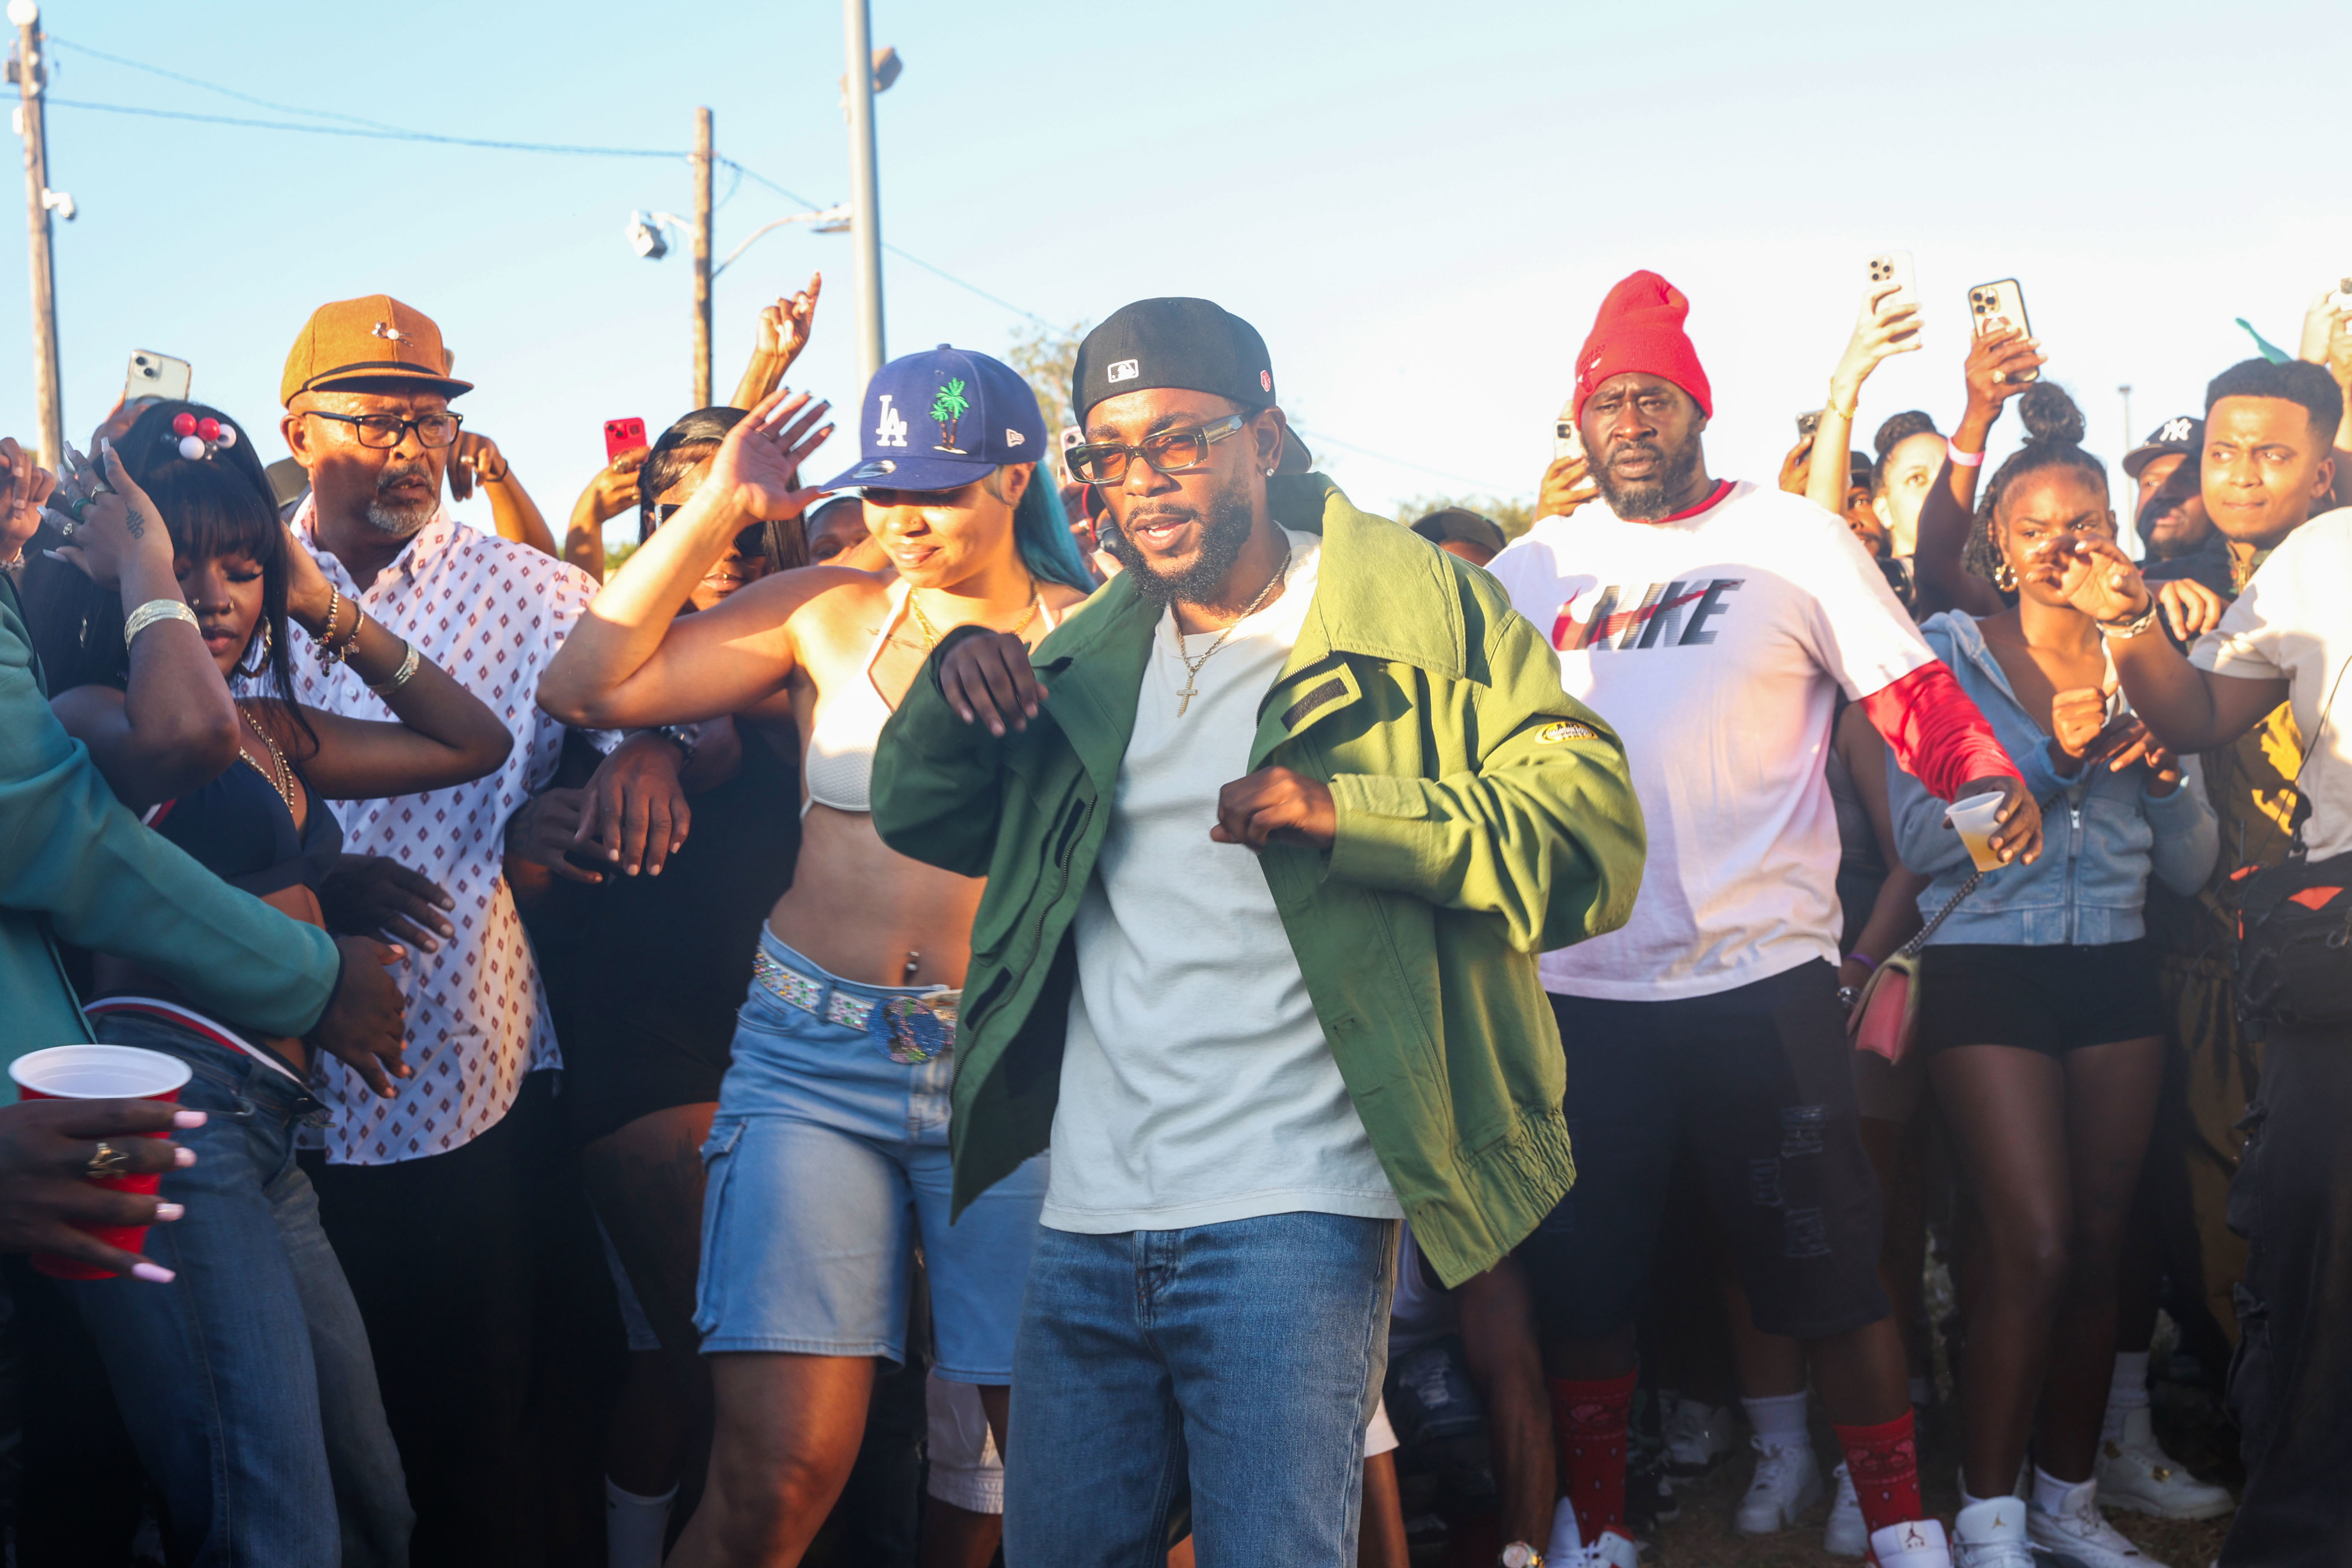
838 768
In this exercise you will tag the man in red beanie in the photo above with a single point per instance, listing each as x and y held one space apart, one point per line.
1715 622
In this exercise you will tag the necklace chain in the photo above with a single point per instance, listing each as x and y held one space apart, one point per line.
280 773
931 633
1193 665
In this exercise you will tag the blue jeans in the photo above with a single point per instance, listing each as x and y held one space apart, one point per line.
1241 1359
247 1381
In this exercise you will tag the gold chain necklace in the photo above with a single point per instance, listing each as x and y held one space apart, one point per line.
280 775
931 633
1192 664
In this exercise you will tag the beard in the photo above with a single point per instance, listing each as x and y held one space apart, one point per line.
396 518
1224 529
1647 500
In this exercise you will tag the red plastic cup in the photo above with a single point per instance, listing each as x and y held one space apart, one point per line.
101 1073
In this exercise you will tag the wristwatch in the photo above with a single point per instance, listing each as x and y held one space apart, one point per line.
1847 996
685 736
1519 1555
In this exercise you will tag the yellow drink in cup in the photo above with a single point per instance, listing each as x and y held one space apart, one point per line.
1975 820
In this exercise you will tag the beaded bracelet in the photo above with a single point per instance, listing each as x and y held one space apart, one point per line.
331 650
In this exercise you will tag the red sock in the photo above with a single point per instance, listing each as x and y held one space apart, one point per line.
1588 1422
1884 1461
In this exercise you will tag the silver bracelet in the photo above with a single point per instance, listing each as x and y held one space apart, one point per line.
400 676
155 610
2120 631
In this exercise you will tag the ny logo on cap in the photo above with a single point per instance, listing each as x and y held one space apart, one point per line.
892 431
2175 429
1124 370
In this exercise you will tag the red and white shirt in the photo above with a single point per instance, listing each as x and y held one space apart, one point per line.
1714 641
491 613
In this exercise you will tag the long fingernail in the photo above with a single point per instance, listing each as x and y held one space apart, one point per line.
168 1212
184 1158
153 1273
187 1118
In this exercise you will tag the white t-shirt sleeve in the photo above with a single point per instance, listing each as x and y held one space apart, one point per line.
2245 644
1857 630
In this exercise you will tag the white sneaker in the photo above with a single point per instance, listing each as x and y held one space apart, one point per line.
1918 1544
2079 1531
1698 1436
1846 1536
1987 1535
2136 1475
1788 1484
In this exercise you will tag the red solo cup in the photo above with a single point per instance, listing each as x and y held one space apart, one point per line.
101 1073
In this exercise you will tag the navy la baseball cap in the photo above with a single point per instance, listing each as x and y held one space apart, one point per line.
941 420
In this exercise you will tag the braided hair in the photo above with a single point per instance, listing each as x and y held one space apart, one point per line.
2053 435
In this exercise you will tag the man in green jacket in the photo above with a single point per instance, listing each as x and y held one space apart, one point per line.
1273 829
76 865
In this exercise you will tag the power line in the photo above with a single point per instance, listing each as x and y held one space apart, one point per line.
373 135
57 42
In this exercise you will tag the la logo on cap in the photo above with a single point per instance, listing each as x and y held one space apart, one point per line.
1125 370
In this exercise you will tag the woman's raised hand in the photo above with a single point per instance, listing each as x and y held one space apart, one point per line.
110 523
28 485
2103 582
1885 328
309 594
1998 367
758 465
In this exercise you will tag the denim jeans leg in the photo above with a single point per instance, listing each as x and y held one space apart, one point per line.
1101 1454
1276 1333
363 1461
213 1370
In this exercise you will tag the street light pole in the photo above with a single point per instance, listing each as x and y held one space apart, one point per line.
702 258
864 193
30 72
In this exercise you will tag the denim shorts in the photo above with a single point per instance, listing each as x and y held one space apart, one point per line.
828 1167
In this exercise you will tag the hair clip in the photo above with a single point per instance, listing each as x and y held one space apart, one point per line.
199 438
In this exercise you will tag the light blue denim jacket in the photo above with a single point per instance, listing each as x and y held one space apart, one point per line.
2102 833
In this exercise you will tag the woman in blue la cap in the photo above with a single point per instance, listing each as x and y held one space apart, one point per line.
828 1159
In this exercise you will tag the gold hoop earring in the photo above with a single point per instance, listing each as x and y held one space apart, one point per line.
2004 576
260 661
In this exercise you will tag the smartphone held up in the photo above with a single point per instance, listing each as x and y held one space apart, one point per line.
623 435
1995 306
157 376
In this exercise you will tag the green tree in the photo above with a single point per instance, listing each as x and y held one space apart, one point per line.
1046 357
1514 516
947 409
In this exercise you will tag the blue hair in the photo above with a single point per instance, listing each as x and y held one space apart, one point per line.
1041 531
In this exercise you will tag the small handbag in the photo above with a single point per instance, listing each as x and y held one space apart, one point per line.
1885 1015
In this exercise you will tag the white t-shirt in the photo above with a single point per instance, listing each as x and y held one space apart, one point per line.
2292 624
1711 642
1197 1085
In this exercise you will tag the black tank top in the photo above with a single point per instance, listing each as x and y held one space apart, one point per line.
239 828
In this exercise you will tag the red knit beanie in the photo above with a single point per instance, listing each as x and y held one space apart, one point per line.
1640 328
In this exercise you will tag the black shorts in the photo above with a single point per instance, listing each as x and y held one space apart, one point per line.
2051 1000
1757 1085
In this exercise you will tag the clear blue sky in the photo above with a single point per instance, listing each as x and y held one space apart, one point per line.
1419 205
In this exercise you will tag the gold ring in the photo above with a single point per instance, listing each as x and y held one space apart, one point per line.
109 1161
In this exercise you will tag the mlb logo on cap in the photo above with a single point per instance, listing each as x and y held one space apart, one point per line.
940 420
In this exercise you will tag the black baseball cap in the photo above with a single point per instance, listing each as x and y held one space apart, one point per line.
2183 434
1188 343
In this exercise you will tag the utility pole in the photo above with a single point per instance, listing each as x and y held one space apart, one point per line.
2125 393
702 258
30 70
865 191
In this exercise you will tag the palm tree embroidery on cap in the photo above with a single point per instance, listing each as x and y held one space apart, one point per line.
948 409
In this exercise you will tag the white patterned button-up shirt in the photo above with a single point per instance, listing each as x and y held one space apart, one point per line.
491 613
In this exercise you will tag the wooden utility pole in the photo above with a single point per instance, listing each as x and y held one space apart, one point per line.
30 70
702 258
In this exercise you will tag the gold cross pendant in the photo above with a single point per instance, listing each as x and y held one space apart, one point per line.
1188 695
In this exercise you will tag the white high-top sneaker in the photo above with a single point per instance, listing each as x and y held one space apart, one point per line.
1987 1535
1698 1436
1918 1544
1846 1536
2136 1475
2078 1530
1788 1484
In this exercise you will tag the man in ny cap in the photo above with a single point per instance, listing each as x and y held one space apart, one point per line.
440 1199
2170 506
1273 827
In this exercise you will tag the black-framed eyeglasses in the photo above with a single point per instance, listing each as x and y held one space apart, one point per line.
661 512
385 431
1168 452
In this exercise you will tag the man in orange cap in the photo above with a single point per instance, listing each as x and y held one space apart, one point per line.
438 1199
1715 622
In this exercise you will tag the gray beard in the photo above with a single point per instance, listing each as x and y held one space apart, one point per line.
1645 501
400 522
1225 529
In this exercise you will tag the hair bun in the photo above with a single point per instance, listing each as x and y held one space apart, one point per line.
2049 416
1900 428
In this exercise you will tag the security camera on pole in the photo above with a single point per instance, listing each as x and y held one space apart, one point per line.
29 71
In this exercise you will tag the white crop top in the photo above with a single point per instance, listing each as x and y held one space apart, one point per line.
838 769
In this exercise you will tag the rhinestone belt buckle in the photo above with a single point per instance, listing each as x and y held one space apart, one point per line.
922 1029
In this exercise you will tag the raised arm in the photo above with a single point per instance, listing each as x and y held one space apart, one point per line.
476 459
612 492
626 664
1884 330
444 736
2327 340
784 332
173 727
1996 369
2189 709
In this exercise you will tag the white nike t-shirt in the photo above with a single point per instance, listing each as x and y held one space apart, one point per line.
1712 642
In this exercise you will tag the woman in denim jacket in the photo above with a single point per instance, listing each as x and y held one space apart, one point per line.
2042 1024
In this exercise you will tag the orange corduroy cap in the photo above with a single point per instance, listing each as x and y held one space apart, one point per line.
1640 328
372 338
